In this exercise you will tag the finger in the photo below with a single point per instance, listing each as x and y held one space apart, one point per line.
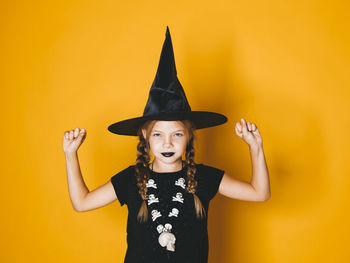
239 127
83 137
257 131
237 130
245 132
71 135
244 126
239 134
249 126
66 135
82 134
254 128
76 132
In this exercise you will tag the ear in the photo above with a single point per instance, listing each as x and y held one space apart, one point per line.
144 133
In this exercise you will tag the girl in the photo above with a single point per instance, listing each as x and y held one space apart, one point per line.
166 192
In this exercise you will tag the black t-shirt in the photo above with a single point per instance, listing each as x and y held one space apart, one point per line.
170 204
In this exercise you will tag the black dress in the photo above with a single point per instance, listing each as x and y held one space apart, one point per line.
171 205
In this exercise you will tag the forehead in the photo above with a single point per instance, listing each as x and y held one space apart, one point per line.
168 126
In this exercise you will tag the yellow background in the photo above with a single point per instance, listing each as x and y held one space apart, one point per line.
283 65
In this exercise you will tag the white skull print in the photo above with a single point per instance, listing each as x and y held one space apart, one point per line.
151 184
178 198
160 228
180 182
155 214
174 212
152 199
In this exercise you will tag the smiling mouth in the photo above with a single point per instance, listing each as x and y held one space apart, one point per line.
168 154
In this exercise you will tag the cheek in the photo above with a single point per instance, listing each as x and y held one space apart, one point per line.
154 144
181 144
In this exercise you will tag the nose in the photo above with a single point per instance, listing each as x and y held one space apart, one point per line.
167 142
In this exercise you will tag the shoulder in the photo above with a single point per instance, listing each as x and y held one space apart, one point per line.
209 178
125 173
127 170
208 173
122 181
203 168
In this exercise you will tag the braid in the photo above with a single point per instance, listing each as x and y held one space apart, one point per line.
141 168
192 183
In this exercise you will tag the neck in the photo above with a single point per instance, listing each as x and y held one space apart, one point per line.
166 168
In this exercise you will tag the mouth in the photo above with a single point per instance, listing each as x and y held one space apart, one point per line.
168 154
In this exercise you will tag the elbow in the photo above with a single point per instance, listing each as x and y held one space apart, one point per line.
266 198
79 205
78 208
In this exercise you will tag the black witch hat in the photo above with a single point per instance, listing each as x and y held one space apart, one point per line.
167 100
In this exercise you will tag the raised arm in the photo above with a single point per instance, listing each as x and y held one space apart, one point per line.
258 189
82 199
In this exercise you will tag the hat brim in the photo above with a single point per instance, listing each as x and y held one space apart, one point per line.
201 119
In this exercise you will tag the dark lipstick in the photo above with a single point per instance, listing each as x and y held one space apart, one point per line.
168 154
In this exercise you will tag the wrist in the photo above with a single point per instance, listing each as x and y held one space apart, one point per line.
255 147
70 153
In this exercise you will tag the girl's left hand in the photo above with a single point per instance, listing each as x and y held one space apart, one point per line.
249 133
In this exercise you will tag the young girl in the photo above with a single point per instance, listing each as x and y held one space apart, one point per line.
167 194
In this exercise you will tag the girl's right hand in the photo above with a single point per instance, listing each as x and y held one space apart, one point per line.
73 139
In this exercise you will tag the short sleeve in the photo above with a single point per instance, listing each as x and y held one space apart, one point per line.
209 180
120 183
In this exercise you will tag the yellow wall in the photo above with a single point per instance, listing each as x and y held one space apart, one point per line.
283 65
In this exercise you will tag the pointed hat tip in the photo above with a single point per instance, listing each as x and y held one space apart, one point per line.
167 30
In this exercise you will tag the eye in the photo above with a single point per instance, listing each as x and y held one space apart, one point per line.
178 134
156 134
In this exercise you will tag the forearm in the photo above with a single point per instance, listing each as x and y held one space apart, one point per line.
76 185
260 174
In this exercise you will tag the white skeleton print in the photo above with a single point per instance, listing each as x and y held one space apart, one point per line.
178 198
152 199
151 184
180 182
174 212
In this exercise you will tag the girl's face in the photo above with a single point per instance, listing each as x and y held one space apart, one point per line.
168 141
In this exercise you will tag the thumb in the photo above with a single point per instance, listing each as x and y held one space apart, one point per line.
81 133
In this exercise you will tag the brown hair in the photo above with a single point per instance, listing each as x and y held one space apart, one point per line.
142 164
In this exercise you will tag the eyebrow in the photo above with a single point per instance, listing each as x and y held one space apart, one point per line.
161 131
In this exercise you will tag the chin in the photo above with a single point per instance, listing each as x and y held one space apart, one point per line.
171 159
